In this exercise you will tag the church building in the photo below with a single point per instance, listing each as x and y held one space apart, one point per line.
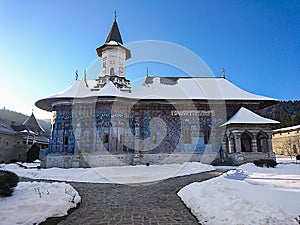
104 122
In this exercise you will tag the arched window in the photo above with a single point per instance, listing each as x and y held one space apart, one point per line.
206 133
231 143
261 141
246 142
112 71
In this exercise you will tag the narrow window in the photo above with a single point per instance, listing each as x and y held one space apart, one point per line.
66 140
106 138
154 139
187 135
206 133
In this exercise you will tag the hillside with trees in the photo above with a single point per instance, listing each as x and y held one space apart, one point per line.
286 112
11 116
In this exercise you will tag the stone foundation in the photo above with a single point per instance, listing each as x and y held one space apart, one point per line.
100 160
249 157
105 160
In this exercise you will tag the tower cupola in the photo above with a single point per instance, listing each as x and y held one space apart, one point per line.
113 55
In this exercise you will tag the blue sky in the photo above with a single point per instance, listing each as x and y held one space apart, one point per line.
42 43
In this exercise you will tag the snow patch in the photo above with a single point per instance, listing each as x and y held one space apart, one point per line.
121 175
248 195
34 202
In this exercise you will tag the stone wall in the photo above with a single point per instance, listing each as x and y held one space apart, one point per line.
88 160
159 159
286 143
248 157
12 148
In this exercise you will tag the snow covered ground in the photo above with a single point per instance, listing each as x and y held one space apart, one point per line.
247 195
121 175
33 202
244 195
285 159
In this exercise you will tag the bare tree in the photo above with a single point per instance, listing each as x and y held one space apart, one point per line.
287 146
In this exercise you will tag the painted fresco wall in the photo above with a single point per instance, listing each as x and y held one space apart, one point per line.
121 127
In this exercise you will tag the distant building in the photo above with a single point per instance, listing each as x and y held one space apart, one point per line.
286 141
17 139
103 122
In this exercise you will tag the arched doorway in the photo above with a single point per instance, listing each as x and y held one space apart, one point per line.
246 142
261 141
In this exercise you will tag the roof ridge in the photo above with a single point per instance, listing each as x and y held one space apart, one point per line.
180 77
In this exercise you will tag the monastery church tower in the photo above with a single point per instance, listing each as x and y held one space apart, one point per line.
113 55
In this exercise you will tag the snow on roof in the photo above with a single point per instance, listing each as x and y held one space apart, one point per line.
112 43
245 116
27 131
109 89
77 89
194 88
287 129
91 83
168 88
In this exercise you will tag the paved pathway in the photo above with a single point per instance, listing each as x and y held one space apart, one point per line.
156 203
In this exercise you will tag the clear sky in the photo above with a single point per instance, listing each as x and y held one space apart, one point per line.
42 43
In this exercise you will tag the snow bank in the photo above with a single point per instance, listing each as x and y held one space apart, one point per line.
248 195
121 175
285 159
34 202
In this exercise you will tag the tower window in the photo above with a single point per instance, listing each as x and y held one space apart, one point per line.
112 71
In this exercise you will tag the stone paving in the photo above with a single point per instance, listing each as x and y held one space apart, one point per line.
151 203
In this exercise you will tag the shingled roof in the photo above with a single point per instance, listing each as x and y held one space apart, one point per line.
114 34
5 128
33 124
